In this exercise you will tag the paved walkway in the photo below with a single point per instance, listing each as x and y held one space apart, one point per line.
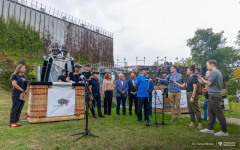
231 120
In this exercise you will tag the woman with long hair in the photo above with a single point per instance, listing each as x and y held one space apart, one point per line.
20 86
107 89
192 97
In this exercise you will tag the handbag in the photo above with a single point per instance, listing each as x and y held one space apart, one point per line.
23 97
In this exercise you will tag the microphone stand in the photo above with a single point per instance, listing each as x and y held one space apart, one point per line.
87 100
163 94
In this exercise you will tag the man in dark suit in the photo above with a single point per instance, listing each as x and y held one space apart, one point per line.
132 94
121 94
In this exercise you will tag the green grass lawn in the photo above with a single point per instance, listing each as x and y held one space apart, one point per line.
123 132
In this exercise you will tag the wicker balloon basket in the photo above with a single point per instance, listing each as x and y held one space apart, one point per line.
37 104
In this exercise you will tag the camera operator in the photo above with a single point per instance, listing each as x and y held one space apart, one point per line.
74 76
174 91
151 88
87 73
164 76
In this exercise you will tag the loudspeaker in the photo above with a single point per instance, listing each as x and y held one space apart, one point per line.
49 66
203 71
44 70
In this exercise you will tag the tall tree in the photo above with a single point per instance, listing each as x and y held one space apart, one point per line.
206 45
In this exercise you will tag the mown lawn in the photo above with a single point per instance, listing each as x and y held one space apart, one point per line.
123 132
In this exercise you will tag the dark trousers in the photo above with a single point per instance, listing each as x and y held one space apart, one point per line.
108 102
17 106
123 99
142 101
97 98
131 99
214 109
150 104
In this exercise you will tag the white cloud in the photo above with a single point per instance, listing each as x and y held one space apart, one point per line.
155 27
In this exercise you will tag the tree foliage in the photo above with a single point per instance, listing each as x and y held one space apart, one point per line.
206 45
232 86
19 45
237 73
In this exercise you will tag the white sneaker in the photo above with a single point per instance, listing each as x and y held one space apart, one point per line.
221 134
207 131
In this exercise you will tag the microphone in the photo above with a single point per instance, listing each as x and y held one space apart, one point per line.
83 77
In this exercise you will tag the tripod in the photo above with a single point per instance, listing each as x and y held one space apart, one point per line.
87 100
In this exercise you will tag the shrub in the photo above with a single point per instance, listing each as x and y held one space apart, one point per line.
7 68
232 98
234 106
232 86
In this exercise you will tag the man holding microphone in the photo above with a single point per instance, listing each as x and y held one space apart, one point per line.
174 91
141 85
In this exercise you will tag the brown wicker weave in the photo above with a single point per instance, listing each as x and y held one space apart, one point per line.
37 104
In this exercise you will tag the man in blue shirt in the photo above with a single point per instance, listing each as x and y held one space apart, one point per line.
174 91
141 84
94 87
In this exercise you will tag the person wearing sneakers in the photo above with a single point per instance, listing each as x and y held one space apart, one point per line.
94 87
214 83
192 97
141 86
20 86
174 91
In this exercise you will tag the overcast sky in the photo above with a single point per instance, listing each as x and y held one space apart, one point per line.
154 28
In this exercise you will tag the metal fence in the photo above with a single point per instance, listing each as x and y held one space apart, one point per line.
78 35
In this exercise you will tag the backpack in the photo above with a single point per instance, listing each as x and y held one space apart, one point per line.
200 87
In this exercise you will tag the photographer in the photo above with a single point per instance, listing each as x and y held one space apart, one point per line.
74 76
87 73
192 97
174 91
215 83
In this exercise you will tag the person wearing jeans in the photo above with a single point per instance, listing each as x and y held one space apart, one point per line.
20 86
94 87
205 103
107 89
121 94
151 88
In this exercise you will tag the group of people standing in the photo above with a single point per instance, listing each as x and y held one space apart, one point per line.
139 91
213 88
